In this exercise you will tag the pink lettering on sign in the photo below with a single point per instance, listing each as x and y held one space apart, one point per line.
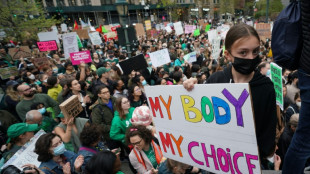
78 57
47 45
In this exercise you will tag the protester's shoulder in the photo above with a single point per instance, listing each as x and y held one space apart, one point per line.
218 77
131 109
261 80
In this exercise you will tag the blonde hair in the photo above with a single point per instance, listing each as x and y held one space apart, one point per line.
12 93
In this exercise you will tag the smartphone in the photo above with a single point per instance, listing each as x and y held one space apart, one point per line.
117 151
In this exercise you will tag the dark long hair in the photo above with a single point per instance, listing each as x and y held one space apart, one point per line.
69 85
101 163
43 145
132 90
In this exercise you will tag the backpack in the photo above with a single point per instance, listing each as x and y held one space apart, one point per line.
286 39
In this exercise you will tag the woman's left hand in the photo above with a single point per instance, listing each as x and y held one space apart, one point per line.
78 162
35 169
86 99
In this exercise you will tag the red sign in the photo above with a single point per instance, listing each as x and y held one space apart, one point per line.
47 45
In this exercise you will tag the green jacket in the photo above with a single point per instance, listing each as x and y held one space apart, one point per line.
103 115
119 126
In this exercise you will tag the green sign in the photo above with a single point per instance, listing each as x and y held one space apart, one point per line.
5 73
276 78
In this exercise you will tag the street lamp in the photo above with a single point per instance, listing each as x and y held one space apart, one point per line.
122 10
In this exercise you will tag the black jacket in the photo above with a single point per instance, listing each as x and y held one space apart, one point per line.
305 55
264 106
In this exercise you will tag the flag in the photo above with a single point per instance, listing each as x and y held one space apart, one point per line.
197 32
208 27
104 30
79 41
88 22
75 26
99 29
83 24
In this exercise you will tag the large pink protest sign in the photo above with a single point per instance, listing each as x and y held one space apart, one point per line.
189 29
47 45
78 57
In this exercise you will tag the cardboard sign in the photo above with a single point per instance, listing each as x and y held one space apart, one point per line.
148 25
95 38
263 30
211 127
190 57
201 22
64 27
22 51
70 44
6 73
71 107
82 56
160 57
135 63
26 154
178 28
82 33
276 78
47 45
41 62
47 36
139 30
189 29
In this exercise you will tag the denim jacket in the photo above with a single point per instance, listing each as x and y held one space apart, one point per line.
51 167
87 154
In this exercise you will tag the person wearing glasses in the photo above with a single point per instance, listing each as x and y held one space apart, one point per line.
136 96
29 98
146 154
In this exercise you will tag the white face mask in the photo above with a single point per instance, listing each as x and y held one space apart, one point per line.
298 104
32 77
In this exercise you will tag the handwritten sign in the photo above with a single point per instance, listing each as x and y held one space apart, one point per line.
41 62
189 29
211 127
190 57
168 29
22 51
148 25
64 27
70 44
82 33
178 28
160 57
47 45
26 154
71 107
215 40
276 78
47 36
139 29
95 38
263 30
82 56
6 73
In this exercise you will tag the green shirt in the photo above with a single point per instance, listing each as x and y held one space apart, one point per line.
136 103
151 156
112 60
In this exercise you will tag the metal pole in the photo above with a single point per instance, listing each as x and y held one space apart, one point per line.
267 11
126 36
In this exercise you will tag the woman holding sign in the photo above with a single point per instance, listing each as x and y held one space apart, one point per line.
242 49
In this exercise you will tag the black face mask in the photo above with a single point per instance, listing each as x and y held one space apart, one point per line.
246 66
123 87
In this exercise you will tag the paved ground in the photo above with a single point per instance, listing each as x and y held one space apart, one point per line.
125 168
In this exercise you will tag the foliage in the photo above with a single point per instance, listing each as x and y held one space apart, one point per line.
23 19
275 7
227 6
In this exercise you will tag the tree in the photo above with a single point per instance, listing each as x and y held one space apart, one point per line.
227 6
275 7
23 19
172 7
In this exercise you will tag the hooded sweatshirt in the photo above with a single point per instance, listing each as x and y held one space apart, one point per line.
264 107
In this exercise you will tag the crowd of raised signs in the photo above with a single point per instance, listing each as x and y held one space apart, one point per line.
114 125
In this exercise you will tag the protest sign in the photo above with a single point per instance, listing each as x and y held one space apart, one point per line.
47 36
215 41
47 45
263 30
41 62
160 57
54 28
71 107
18 52
190 57
64 27
201 22
82 33
7 72
189 29
250 23
158 27
26 154
168 29
82 56
211 127
95 38
70 44
139 30
135 63
178 28
154 33
148 25
276 78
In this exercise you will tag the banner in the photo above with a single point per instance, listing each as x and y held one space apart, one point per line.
78 57
276 78
26 154
189 29
160 57
190 57
178 28
139 30
148 25
47 36
6 73
70 44
18 52
95 38
263 30
64 27
82 33
47 45
211 127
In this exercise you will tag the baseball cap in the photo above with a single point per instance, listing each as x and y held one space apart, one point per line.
18 129
61 115
102 70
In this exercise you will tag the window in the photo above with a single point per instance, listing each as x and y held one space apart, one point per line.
72 2
86 2
49 3
103 2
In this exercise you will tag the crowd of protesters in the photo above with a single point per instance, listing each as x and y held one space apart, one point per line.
112 127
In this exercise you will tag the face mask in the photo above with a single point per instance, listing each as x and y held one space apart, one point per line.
32 77
100 52
268 73
45 81
55 70
150 63
245 66
63 64
298 104
59 149
144 82
42 111
171 64
123 87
